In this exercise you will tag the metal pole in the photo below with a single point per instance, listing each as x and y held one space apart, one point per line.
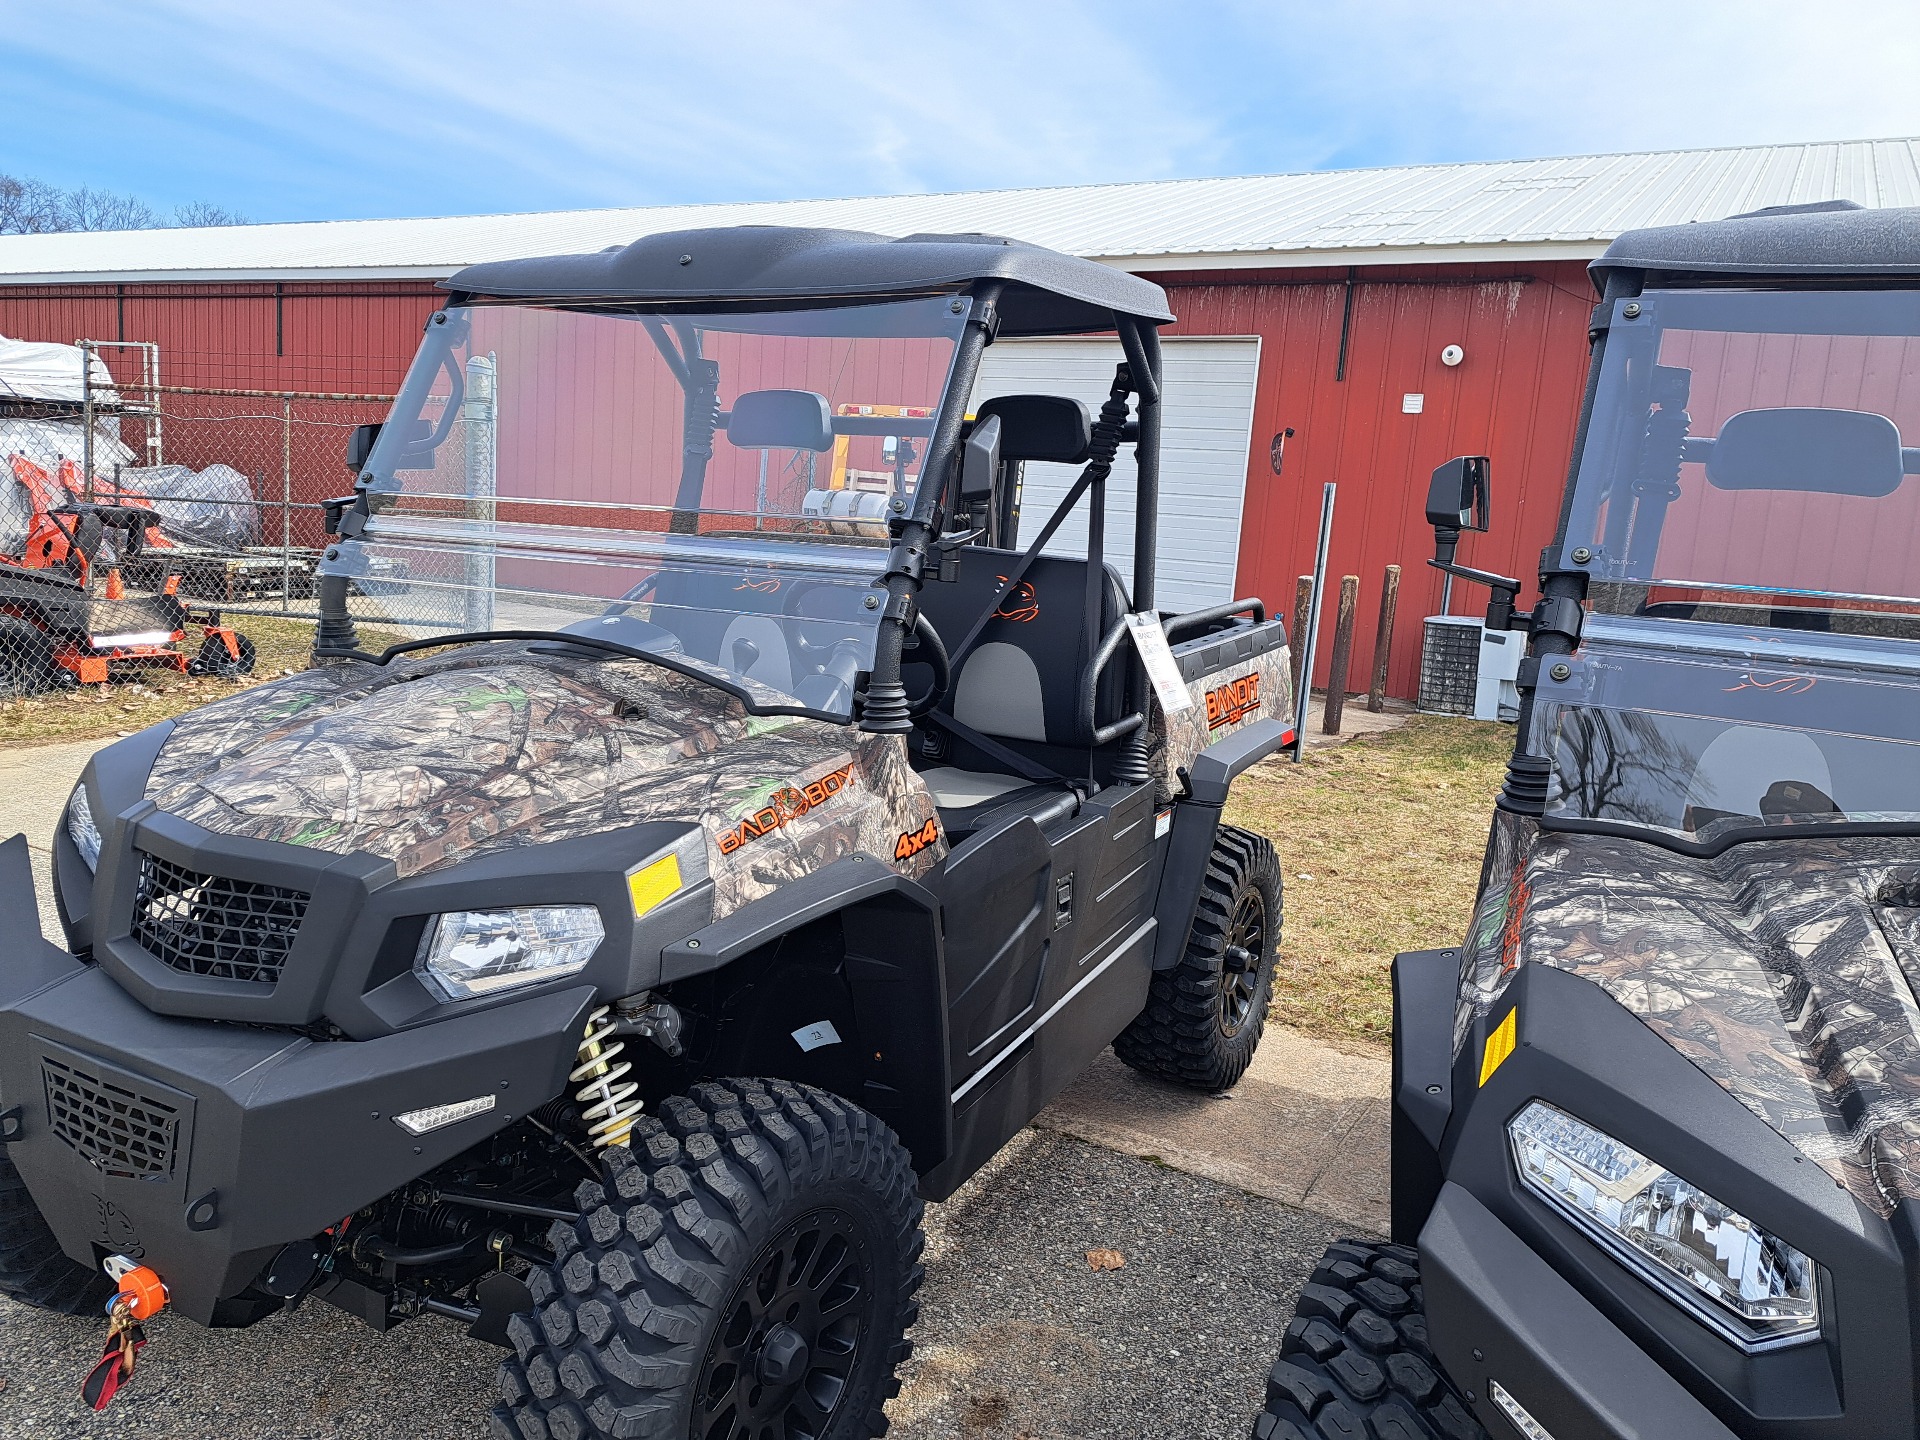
86 413
760 496
286 505
479 417
1313 621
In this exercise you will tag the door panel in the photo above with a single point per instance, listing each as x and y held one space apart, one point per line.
995 894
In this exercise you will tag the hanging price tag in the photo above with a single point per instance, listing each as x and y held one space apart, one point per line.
1150 639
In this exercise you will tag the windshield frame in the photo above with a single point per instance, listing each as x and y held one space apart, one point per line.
676 333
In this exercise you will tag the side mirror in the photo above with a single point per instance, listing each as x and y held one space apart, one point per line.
1457 495
360 442
980 463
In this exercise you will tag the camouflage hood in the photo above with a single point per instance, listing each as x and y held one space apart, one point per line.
1786 970
427 763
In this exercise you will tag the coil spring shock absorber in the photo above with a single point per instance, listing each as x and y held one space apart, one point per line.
608 1102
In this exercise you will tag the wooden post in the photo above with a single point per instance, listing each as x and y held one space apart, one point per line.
1342 655
1297 636
1383 639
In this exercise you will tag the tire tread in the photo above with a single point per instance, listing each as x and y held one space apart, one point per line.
1351 1362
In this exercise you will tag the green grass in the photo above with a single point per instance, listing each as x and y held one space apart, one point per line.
1380 840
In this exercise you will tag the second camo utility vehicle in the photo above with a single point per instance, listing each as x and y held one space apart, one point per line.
715 820
1656 1124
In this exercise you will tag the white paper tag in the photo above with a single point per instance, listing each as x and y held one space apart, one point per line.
1162 823
1150 639
812 1037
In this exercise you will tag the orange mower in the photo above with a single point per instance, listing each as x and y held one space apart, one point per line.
67 616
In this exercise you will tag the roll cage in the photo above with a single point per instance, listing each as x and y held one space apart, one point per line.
970 468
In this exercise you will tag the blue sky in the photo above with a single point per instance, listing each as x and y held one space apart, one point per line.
323 109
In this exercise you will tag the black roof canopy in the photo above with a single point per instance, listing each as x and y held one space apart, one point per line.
1047 293
1835 238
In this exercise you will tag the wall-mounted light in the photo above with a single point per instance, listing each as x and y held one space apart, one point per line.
1452 355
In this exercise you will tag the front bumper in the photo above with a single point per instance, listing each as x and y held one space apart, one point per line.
1499 1313
201 1147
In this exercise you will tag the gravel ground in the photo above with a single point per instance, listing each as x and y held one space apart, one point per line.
1019 1338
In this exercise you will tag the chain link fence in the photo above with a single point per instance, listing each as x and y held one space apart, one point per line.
153 536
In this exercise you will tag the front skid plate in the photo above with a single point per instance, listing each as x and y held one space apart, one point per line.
287 1135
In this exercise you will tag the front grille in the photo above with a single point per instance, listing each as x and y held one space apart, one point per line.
117 1130
210 925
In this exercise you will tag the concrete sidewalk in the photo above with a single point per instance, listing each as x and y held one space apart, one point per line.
1307 1125
35 781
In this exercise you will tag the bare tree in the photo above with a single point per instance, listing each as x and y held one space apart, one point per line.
30 207
197 213
33 207
90 209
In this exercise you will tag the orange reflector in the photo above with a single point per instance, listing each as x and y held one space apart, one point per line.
1500 1044
145 1292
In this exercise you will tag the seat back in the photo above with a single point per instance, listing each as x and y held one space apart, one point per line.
1021 680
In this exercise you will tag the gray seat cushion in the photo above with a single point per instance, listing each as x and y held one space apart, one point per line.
955 789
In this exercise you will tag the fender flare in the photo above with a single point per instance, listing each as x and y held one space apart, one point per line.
896 974
1196 820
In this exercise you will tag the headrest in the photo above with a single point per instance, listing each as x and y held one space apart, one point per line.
781 420
1040 427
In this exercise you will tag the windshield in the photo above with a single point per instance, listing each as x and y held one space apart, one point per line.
710 488
1750 460
1730 733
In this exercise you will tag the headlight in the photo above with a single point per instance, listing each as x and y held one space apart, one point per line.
1754 1289
480 952
81 829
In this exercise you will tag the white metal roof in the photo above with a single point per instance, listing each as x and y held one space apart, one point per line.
1567 208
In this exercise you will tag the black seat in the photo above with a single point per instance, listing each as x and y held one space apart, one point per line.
1020 683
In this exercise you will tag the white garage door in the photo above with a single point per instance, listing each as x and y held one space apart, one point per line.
1208 410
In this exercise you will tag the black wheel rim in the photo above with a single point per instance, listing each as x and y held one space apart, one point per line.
782 1361
1244 961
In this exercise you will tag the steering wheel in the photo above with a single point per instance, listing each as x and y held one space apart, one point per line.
926 639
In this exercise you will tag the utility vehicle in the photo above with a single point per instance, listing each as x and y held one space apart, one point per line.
666 876
1656 1122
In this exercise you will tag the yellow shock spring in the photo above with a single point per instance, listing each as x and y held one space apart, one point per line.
609 1102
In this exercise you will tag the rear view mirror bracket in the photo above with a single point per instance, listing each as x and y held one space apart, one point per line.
1457 499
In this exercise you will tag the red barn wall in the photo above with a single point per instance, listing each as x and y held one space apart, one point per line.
1515 397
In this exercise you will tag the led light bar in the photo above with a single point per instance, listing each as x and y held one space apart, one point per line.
438 1117
131 637
1516 1413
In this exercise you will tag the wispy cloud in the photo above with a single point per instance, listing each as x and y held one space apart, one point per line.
347 107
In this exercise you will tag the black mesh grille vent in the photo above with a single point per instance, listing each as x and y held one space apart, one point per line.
210 925
116 1129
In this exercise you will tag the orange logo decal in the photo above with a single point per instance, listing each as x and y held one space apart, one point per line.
785 805
1021 603
766 584
1234 701
912 842
1784 685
